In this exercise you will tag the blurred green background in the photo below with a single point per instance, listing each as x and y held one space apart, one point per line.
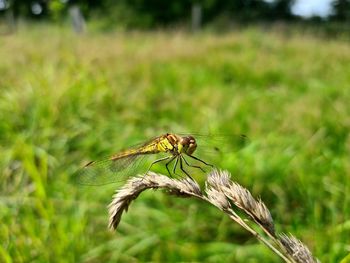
68 98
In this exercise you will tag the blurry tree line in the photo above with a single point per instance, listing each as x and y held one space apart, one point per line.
151 13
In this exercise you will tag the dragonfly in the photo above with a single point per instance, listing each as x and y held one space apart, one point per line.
177 148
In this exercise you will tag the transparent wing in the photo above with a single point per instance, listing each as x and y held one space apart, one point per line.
214 149
219 143
109 171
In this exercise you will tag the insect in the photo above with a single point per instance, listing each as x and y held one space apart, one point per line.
110 170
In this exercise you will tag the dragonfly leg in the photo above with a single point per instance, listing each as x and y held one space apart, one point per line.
175 166
194 157
182 169
195 166
157 161
176 162
169 162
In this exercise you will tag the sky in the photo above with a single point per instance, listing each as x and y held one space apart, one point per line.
309 8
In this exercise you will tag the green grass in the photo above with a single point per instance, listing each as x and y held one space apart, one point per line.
65 100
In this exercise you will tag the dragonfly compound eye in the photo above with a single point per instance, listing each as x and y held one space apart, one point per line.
192 145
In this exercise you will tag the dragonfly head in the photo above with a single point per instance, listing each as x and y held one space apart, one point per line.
189 144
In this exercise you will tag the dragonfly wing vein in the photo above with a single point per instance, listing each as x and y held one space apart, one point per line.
109 171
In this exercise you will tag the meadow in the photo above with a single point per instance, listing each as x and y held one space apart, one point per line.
67 99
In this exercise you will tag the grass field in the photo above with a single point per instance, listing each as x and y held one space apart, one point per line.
65 100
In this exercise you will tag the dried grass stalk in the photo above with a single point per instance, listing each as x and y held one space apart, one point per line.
242 198
134 186
297 249
226 195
